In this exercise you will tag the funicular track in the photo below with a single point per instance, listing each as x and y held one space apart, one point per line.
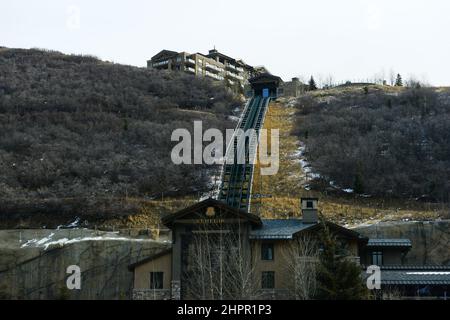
237 175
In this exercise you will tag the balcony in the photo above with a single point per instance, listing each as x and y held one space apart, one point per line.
189 69
213 67
213 75
190 61
230 66
235 76
160 63
239 69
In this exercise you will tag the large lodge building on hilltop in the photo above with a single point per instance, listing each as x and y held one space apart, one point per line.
214 65
216 246
220 67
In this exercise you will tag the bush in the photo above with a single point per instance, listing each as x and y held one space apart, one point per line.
381 143
72 126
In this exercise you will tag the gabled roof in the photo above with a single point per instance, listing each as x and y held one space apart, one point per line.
164 54
169 219
215 53
162 253
265 77
389 243
279 229
273 229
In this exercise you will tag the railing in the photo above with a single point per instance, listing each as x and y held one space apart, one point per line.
190 61
237 177
189 69
161 63
213 67
213 75
234 75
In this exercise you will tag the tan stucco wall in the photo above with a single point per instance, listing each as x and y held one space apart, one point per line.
160 264
283 276
278 264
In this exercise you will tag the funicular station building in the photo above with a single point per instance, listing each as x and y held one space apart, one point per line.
211 240
223 251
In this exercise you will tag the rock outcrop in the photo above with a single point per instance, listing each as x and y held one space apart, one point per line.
39 272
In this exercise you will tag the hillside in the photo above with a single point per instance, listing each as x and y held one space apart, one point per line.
297 178
379 141
79 136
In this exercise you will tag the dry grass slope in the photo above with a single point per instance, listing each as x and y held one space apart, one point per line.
286 187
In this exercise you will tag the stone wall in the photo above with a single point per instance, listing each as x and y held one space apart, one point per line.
148 294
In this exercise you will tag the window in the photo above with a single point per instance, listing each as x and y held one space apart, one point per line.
156 280
267 251
377 258
268 280
309 204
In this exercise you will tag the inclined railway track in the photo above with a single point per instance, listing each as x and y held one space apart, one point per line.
237 176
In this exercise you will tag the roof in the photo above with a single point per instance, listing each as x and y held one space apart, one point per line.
279 229
415 275
215 53
162 253
265 77
169 219
389 243
164 54
273 229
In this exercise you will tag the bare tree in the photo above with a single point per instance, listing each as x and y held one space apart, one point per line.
392 76
302 259
220 265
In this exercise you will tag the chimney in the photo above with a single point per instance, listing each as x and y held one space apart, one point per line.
309 210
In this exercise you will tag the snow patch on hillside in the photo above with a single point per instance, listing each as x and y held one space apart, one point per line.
49 241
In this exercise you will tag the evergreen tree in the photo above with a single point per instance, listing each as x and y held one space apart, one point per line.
358 186
312 84
338 277
399 81
366 90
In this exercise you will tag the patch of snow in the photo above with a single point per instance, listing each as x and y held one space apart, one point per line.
46 243
44 240
72 225
75 223
233 118
29 243
365 195
333 184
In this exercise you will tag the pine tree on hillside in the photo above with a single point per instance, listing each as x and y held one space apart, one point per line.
338 278
312 84
399 81
358 185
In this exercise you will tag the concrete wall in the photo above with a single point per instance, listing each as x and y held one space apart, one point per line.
104 266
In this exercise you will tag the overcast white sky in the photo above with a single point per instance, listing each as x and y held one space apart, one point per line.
349 39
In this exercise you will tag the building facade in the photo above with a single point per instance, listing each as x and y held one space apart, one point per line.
215 246
214 65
